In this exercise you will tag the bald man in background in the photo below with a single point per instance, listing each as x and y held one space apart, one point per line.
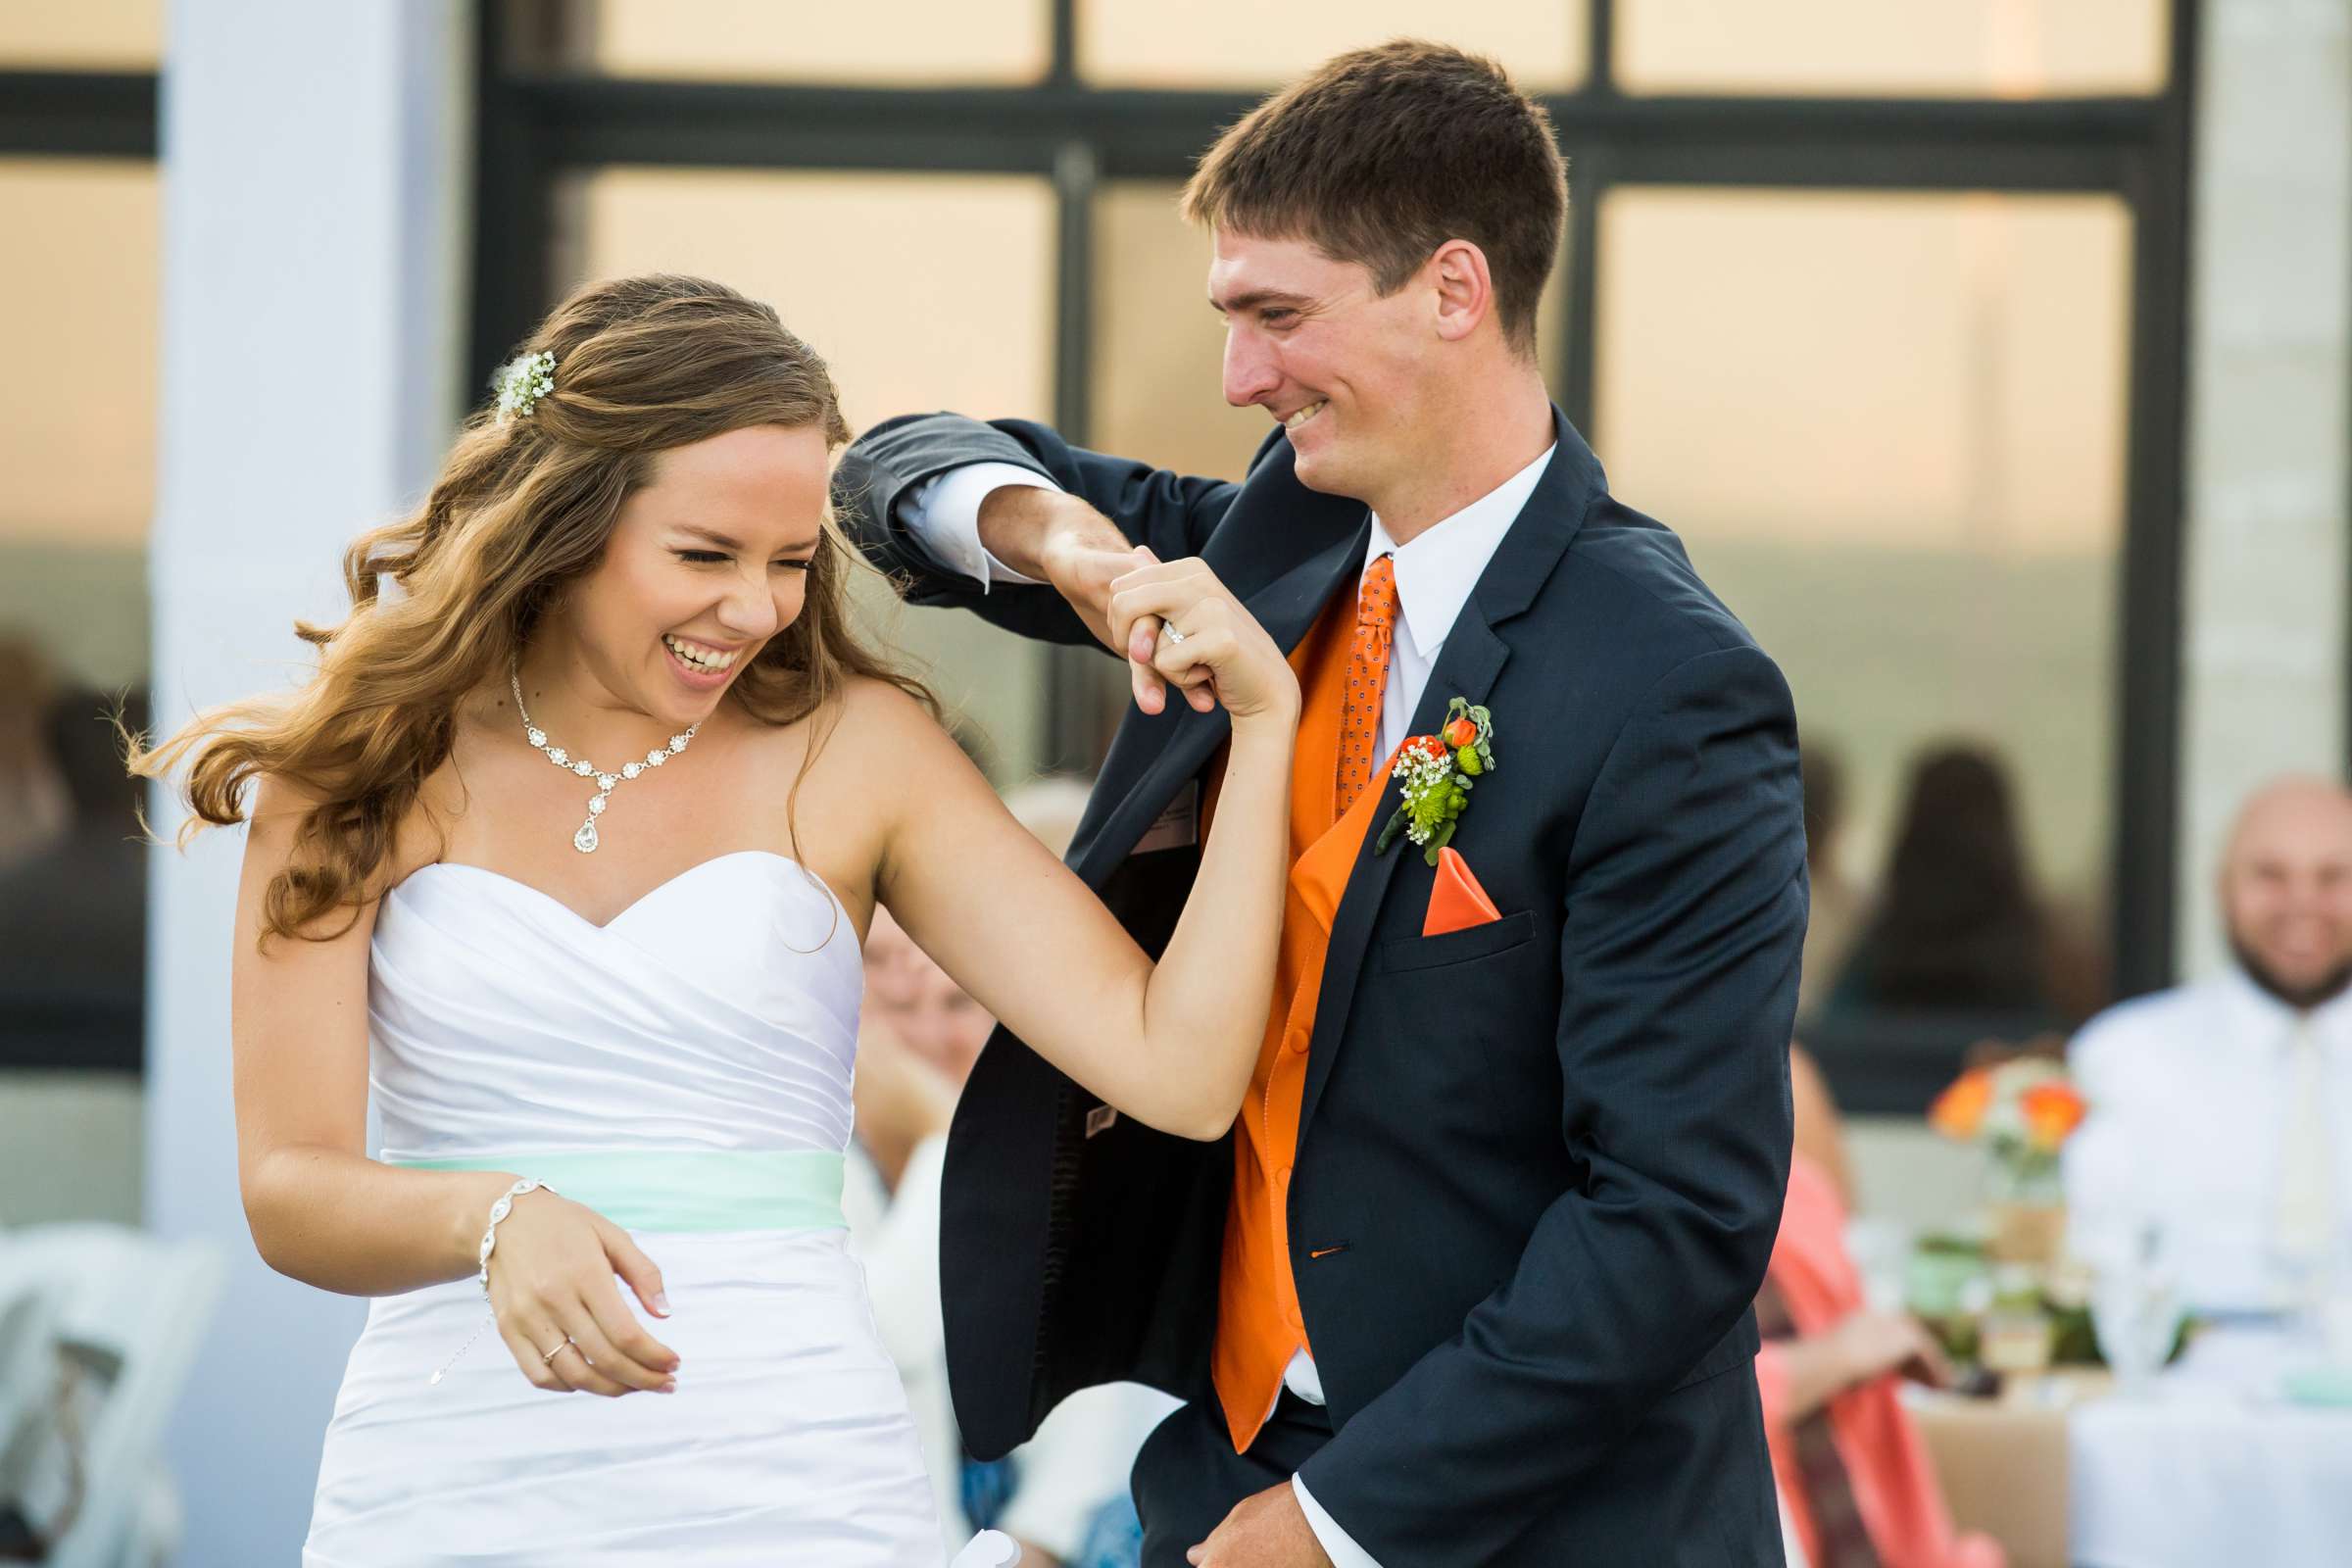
2220 1112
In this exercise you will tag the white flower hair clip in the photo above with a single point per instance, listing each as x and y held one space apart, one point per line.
522 383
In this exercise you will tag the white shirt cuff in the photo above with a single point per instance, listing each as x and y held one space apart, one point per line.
943 513
1339 1546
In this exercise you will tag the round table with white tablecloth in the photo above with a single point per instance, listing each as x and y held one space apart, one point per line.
2216 1464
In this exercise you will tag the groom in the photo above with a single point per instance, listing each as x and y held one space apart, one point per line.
1469 1280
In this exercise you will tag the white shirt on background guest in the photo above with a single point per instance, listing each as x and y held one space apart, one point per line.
2220 1112
918 1037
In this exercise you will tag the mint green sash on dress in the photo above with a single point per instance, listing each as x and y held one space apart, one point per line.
685 1190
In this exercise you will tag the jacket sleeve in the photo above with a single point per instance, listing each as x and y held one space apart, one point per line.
1171 514
1685 915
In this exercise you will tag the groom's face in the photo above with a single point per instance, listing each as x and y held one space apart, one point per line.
1344 370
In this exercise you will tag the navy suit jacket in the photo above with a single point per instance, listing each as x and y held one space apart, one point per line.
1541 1161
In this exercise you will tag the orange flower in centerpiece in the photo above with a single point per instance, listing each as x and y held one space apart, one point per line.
2053 1110
1959 1111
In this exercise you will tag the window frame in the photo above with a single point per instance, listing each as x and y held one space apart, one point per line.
79 114
536 126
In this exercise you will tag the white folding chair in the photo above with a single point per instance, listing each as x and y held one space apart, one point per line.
32 1476
132 1309
28 1351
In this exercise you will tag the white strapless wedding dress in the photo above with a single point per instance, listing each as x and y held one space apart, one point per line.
684 1070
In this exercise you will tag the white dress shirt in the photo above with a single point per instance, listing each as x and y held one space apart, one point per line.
2192 1093
1435 574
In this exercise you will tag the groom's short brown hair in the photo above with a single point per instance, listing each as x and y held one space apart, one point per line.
1383 154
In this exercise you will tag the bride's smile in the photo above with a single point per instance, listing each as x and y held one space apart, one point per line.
707 564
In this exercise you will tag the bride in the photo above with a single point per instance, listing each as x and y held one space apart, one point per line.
561 861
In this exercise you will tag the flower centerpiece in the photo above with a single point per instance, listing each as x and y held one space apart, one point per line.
2020 1111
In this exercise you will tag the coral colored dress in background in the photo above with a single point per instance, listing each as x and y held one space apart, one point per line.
1887 1465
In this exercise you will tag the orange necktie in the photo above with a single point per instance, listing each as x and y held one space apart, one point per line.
1367 681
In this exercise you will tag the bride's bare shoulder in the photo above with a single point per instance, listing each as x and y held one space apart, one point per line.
876 717
281 816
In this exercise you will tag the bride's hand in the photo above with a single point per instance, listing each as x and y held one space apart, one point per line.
552 1284
1223 655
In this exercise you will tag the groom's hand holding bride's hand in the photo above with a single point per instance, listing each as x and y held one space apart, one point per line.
552 1285
1124 593
1266 1531
1180 627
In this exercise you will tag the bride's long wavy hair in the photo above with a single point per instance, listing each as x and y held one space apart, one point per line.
524 508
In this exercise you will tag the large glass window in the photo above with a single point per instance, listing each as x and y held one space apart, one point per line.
1916 363
1245 43
1955 48
112 36
1911 408
897 42
78 313
77 310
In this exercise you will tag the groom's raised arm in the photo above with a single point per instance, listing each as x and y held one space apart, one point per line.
1679 963
911 489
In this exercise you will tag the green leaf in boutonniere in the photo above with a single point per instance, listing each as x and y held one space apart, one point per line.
1435 774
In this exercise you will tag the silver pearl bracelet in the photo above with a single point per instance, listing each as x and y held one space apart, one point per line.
498 1211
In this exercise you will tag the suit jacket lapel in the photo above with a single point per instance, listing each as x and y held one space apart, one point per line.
1471 661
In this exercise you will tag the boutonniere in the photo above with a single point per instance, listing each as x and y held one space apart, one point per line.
1435 774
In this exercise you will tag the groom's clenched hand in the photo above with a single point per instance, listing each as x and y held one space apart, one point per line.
1266 1531
1057 538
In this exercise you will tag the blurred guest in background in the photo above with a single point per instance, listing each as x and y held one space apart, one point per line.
1062 1494
1956 956
890 1195
1856 1484
2220 1112
33 803
73 906
1836 903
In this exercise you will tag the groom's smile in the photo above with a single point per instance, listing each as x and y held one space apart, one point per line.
1312 341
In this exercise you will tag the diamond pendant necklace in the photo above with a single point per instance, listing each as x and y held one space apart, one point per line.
585 840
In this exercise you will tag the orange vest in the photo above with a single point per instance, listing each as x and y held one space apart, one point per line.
1258 1322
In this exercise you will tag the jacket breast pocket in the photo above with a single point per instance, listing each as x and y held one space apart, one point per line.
1459 946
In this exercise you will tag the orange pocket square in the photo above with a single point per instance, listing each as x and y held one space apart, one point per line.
1456 902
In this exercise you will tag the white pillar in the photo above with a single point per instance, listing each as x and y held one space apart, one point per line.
2269 369
314 177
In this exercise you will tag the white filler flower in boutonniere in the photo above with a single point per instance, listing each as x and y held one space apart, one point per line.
1435 774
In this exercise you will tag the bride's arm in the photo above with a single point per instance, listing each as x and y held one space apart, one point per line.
322 1213
1172 1046
319 1209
